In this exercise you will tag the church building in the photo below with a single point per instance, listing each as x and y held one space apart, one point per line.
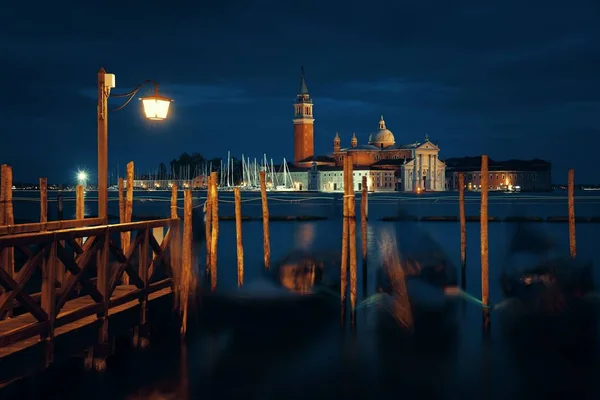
411 167
416 164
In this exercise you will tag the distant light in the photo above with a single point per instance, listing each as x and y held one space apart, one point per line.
156 107
82 176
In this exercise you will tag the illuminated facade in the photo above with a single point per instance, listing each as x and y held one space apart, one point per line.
523 175
416 165
331 179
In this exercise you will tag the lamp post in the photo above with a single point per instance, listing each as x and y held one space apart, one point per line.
156 108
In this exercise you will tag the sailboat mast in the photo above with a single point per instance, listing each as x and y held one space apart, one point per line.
228 164
284 172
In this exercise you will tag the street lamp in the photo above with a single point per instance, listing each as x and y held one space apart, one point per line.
156 108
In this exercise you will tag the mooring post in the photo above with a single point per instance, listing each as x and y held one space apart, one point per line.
485 285
265 219
174 253
214 232
186 259
43 200
463 221
238 236
352 240
571 194
345 240
128 212
208 223
125 236
363 217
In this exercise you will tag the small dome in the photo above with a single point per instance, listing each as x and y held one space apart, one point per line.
383 137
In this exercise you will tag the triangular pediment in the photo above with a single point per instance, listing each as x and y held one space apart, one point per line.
428 146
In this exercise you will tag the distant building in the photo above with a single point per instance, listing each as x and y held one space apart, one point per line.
331 179
528 175
304 139
390 166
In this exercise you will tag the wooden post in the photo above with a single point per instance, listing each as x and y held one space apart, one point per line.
265 219
344 262
7 255
238 236
485 285
79 206
125 236
129 196
214 233
352 239
208 222
363 217
140 338
59 203
43 200
2 197
186 259
48 301
8 218
174 253
102 349
463 220
571 193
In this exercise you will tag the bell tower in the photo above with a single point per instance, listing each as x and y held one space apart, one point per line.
304 139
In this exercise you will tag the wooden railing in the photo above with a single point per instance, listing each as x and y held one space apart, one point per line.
93 263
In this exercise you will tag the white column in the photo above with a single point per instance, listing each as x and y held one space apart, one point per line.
435 172
415 172
429 172
420 171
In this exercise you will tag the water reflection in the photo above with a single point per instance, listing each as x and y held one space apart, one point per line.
304 236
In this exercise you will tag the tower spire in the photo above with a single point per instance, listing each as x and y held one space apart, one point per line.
303 87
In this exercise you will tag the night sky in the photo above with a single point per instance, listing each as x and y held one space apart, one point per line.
519 79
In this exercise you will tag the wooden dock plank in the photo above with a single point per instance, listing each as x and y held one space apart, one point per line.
75 314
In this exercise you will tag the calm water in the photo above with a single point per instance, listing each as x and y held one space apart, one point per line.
280 359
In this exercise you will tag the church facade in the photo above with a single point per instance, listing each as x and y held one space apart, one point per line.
417 165
409 167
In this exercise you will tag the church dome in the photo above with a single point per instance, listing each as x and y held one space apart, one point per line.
383 137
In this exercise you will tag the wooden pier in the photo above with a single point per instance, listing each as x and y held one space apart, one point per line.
70 287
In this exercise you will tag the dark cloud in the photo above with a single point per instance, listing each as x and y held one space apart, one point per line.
511 78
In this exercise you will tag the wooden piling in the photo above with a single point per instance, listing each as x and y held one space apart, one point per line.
7 255
48 301
174 253
238 236
125 238
43 200
214 232
344 261
463 221
571 194
208 222
79 206
363 217
352 239
265 218
485 285
59 203
186 258
2 196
